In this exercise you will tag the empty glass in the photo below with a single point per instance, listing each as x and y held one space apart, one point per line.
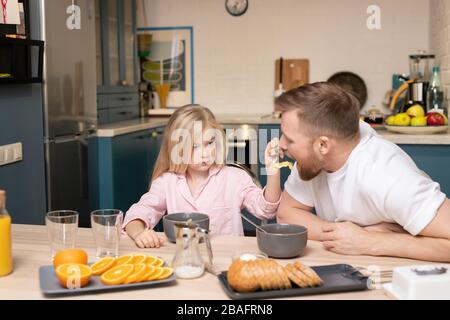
106 227
62 226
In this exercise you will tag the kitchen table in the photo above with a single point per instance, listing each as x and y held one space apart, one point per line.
31 250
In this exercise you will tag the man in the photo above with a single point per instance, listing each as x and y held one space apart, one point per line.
369 196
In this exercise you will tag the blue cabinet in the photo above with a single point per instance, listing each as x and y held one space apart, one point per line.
124 167
434 160
116 56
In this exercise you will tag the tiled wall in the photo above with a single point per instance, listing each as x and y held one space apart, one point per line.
440 39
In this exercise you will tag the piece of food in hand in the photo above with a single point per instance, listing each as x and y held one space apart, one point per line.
70 256
73 275
283 164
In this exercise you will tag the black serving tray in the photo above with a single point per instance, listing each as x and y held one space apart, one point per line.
336 278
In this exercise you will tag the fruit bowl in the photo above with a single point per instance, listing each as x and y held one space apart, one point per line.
417 130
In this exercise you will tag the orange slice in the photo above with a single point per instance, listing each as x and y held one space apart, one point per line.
150 259
124 259
139 270
158 262
138 258
167 272
155 275
148 272
73 275
117 274
103 265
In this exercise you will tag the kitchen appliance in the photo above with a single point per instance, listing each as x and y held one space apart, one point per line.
69 100
416 84
242 144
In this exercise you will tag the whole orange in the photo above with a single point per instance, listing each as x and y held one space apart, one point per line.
70 256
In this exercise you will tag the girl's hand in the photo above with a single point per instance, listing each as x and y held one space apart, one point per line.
148 239
272 155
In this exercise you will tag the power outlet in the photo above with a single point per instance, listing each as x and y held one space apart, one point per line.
10 153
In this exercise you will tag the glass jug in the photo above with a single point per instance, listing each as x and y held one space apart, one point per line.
188 262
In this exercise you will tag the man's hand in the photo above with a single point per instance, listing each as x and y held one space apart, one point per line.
346 238
385 227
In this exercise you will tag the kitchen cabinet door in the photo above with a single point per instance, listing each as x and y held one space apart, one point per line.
117 46
134 158
433 160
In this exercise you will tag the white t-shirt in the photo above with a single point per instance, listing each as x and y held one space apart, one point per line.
378 183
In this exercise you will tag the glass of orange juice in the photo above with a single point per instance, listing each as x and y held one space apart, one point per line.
162 89
62 227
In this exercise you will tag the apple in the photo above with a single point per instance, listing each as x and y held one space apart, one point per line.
435 119
402 119
415 111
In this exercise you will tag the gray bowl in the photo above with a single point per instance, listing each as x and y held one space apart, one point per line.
202 220
282 240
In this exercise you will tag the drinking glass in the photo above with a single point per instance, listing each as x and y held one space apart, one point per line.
106 227
62 227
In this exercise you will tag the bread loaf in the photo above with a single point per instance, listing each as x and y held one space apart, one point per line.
268 274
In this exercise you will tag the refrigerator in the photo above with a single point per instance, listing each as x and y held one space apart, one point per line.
69 100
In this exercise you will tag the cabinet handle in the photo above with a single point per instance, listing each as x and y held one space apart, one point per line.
125 99
124 83
124 113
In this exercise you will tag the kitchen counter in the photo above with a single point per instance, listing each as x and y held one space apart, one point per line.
31 250
124 127
129 126
430 139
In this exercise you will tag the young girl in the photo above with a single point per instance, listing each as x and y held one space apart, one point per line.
190 175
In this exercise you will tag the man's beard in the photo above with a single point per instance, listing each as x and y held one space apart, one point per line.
311 170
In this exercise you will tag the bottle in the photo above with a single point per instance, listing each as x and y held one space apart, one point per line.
5 238
435 94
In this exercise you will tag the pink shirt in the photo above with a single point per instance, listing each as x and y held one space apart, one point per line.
221 196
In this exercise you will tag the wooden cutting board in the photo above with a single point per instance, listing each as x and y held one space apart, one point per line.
295 73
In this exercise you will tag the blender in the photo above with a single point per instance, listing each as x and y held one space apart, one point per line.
420 66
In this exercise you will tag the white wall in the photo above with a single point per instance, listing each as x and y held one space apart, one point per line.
234 57
440 39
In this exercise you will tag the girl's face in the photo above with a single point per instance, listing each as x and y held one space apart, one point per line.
203 152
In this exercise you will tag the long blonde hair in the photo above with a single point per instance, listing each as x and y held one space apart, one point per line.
185 118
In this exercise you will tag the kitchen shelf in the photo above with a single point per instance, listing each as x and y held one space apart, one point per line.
22 59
